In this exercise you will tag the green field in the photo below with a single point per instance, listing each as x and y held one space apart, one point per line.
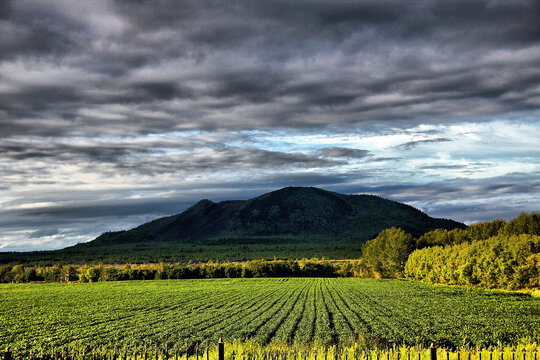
269 311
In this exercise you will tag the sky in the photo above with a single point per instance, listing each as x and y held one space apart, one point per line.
113 113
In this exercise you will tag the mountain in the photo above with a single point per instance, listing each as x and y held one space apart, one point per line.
288 212
290 223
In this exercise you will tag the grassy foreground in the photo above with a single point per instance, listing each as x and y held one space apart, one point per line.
270 312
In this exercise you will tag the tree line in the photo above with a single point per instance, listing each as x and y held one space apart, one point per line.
496 254
250 269
507 262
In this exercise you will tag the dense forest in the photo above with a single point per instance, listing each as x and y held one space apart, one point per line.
509 262
496 254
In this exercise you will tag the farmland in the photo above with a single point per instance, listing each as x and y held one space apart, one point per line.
267 311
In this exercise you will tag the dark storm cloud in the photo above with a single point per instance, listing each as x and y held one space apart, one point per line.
437 167
161 90
88 210
226 159
63 152
412 144
381 159
341 152
43 232
36 29
230 160
263 64
5 8
254 86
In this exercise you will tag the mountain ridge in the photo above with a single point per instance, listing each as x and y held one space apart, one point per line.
290 211
289 223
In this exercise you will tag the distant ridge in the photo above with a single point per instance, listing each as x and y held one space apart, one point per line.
288 212
290 223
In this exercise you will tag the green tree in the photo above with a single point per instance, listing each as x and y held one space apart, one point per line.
69 273
5 271
29 275
161 271
523 224
92 274
53 273
387 254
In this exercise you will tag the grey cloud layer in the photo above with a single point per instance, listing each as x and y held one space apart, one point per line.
411 144
117 67
26 162
341 152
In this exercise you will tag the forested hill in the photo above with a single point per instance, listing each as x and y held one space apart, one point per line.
288 212
290 223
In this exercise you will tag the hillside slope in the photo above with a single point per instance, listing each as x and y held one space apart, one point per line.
288 212
290 223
